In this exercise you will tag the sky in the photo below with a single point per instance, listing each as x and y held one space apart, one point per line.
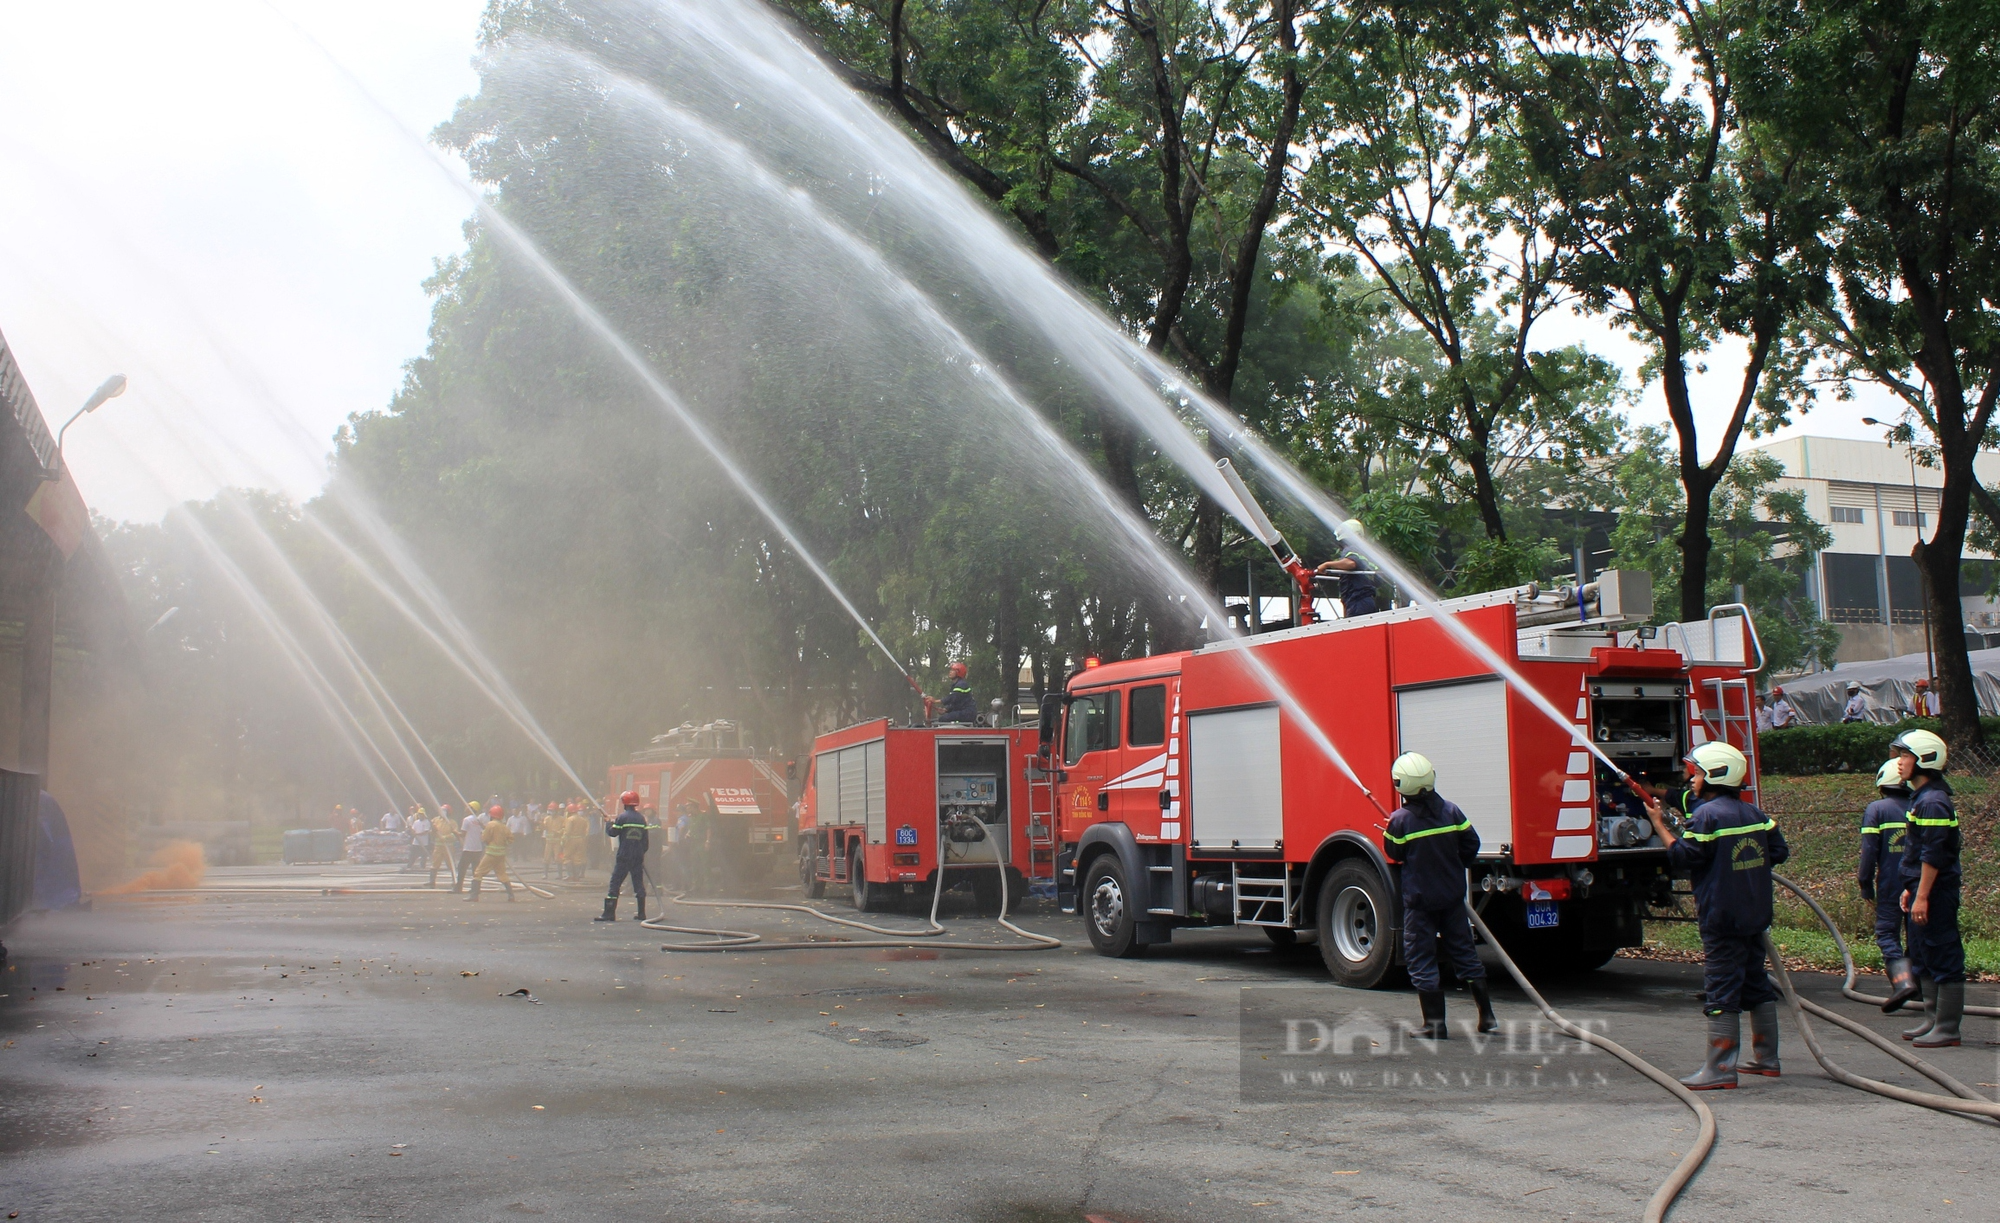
199 200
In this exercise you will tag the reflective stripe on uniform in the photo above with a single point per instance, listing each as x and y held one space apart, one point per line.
1766 826
1881 827
1461 826
1921 822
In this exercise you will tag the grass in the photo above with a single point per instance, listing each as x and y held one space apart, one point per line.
1814 947
1821 819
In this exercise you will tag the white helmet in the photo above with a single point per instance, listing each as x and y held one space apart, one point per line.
1413 774
1350 528
1720 764
1925 746
1890 776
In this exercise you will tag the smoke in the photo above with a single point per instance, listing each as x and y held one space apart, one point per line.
177 864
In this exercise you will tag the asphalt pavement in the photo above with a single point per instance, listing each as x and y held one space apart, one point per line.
291 1055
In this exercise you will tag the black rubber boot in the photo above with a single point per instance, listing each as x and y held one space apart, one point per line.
1926 988
1949 1010
640 901
1718 1073
1487 1021
610 910
1763 1042
474 897
1434 1026
1902 984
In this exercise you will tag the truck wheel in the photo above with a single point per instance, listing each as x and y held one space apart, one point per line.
1107 910
1354 926
866 898
809 880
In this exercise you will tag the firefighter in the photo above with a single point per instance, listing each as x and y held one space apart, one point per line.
1930 888
629 832
576 832
1433 842
443 836
1728 851
957 708
1354 578
1880 874
497 838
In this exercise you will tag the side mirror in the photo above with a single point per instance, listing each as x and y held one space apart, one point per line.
1051 713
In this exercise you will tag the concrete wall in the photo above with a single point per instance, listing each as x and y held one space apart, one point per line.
1868 642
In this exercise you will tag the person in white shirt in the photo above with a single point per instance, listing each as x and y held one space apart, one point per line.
1782 713
1856 709
1925 703
1763 712
391 822
471 845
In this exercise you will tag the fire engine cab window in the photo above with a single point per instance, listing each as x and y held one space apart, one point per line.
1092 725
1148 725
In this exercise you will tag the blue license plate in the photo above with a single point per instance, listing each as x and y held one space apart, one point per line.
1543 915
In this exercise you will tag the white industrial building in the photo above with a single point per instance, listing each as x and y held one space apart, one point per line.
1875 500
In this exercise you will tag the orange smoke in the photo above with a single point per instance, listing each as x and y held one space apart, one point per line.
177 864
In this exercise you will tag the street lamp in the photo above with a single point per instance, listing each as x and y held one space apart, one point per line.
113 387
1917 517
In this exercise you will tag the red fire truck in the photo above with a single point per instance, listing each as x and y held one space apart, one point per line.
884 808
1187 796
707 769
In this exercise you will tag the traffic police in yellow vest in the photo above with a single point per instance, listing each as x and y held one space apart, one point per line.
1433 842
1728 851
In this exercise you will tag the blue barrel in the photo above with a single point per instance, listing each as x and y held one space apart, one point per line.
298 845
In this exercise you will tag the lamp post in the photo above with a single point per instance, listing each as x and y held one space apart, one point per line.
1917 517
38 628
111 388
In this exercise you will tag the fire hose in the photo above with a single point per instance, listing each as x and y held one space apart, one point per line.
1847 958
1663 1197
733 940
1963 1101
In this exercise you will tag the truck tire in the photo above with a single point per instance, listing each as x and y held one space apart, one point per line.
867 897
809 880
1106 904
1354 912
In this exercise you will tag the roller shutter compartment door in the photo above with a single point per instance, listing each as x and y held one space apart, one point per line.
1236 776
1462 729
853 785
876 790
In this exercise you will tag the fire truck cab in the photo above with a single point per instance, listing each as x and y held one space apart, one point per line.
1189 796
706 770
885 808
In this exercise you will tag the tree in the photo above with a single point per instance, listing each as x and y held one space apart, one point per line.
1684 230
1765 541
1164 130
1892 107
1414 171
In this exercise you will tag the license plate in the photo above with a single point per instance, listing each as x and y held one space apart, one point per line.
1543 915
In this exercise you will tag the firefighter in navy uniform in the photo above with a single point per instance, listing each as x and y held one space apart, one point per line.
1353 578
1880 874
629 830
1728 851
1432 841
957 708
1931 888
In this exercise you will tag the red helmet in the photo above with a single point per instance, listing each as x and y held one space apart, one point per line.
629 799
495 811
957 670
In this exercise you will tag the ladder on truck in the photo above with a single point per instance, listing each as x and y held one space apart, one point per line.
1739 730
1263 898
1041 819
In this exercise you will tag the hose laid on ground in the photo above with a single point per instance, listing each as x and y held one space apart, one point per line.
1663 1197
1973 1107
733 940
1847 958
